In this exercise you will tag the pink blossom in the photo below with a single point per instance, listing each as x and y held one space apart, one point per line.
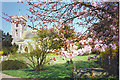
70 55
73 47
115 37
60 13
75 12
104 46
83 42
113 46
38 13
80 52
102 49
113 28
35 19
97 47
100 33
71 51
100 41
63 53
89 40
74 5
46 38
44 14
85 11
65 14
56 39
102 37
53 5
84 50
75 52
37 5
87 49
96 41
94 4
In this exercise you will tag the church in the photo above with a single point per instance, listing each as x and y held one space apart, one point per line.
21 36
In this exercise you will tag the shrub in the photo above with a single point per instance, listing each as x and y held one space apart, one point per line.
13 65
7 46
37 59
109 61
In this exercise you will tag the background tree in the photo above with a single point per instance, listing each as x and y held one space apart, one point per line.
46 41
43 43
7 46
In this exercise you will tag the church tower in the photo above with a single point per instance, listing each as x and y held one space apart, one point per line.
17 29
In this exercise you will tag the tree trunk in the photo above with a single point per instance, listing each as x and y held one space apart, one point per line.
70 61
38 65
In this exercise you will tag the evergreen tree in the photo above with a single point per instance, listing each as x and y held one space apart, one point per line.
7 46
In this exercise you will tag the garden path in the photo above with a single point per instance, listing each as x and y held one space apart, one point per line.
6 76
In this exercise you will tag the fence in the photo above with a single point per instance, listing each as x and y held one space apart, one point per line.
110 64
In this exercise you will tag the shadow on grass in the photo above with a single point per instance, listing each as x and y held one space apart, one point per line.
58 70
55 72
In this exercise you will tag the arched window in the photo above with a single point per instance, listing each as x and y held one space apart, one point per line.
16 32
17 25
20 47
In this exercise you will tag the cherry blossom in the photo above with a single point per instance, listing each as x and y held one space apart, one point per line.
46 38
89 39
56 39
113 46
87 49
104 18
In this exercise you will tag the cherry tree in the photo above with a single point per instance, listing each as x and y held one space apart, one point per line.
76 13
99 21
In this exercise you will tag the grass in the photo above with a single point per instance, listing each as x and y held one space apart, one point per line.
60 69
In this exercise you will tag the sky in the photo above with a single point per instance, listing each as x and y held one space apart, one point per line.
12 9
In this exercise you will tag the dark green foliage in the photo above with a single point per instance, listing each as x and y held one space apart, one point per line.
13 65
7 46
6 39
13 48
109 60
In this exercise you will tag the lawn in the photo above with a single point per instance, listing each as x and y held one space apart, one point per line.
59 69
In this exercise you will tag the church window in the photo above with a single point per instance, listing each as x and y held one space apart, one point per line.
16 25
16 32
20 47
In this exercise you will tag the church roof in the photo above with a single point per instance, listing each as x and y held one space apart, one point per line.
29 34
20 16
